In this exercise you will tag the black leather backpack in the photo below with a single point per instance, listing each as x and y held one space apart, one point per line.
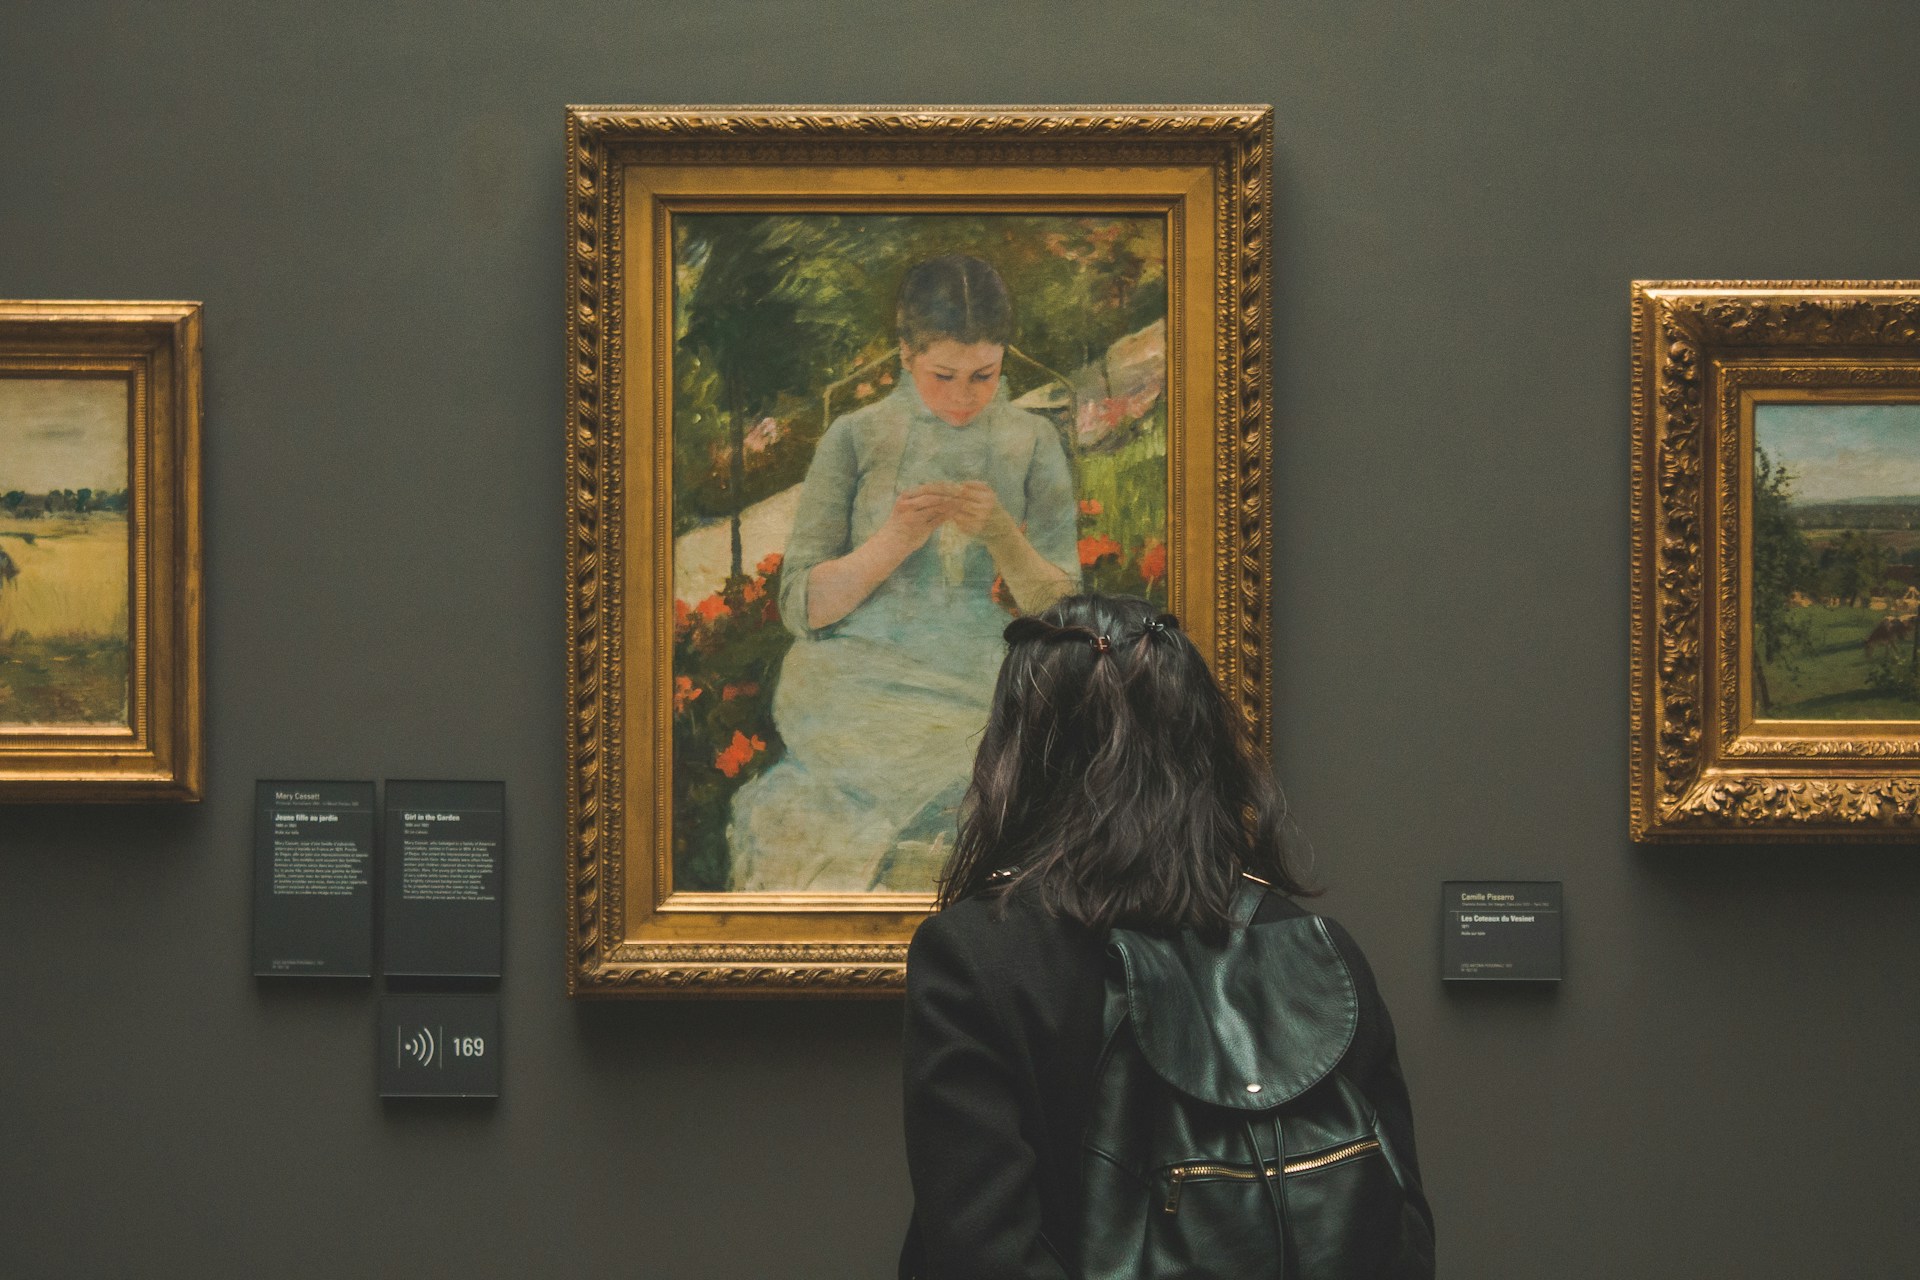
1224 1142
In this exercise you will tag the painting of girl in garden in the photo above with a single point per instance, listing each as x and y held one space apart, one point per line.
891 434
63 551
1836 561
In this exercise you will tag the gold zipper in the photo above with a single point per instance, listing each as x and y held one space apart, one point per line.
1179 1173
1334 1156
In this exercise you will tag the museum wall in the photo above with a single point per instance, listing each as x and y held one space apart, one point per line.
368 199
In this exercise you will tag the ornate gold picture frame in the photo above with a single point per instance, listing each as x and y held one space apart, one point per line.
770 312
1776 560
100 586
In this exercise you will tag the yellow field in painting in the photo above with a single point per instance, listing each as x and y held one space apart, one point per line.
72 579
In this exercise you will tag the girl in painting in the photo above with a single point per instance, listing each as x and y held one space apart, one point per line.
912 508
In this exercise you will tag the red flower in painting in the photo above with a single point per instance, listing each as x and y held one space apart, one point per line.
769 564
1090 507
1097 548
712 609
682 617
746 689
684 692
1153 562
738 752
753 589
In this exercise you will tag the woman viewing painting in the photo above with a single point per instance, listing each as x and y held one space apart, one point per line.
918 514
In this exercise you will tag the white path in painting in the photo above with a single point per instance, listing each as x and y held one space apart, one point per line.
703 556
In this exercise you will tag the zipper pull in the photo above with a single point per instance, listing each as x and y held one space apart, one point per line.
1178 1175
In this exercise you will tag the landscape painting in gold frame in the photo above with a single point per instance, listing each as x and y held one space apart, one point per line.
100 626
1776 560
1043 330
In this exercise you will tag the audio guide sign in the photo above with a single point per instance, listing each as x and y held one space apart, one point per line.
437 1046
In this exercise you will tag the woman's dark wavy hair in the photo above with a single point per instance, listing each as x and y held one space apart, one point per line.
1115 779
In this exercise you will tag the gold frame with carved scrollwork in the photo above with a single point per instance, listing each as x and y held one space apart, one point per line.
159 754
1705 353
1207 169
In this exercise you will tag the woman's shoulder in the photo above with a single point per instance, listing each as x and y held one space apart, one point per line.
870 425
999 936
999 917
872 410
1001 920
858 424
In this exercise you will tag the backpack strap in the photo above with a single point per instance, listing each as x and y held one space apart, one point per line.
1247 899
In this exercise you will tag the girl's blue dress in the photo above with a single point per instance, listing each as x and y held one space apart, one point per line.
881 711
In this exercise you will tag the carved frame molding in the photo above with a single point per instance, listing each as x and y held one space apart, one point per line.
1234 144
159 754
1703 767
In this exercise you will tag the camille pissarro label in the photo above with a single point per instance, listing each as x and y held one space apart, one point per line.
1501 930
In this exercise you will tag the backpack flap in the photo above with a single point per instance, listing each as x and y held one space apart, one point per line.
1274 1008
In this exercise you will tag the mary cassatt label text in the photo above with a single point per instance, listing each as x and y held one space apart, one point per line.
313 879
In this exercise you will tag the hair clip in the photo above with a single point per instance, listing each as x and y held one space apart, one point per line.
1102 645
1162 625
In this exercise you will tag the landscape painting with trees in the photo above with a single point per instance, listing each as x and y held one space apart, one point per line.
64 551
1835 584
1054 479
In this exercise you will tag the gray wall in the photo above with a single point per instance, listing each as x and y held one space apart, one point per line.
368 198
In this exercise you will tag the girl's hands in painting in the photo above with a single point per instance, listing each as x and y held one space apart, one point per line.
973 506
1034 582
918 512
976 508
836 588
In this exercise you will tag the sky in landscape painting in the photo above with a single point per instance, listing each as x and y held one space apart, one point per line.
63 433
1837 452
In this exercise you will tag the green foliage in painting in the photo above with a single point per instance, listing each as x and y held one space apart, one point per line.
1891 675
726 656
1782 563
23 505
1853 567
771 310
1123 508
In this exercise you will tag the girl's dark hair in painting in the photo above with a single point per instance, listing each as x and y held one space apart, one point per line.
954 296
1115 777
